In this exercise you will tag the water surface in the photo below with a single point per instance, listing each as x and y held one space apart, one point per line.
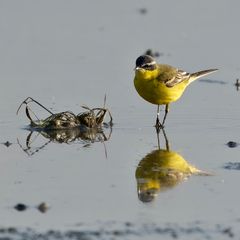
69 54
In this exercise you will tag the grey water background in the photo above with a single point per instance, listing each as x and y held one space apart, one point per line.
69 53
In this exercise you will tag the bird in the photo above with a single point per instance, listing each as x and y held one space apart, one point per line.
162 84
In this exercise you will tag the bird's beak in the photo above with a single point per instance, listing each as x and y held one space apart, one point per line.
137 68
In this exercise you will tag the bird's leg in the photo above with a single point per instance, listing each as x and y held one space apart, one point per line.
166 140
158 125
166 112
158 137
158 113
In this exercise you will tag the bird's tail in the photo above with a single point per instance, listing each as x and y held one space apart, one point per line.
196 75
199 172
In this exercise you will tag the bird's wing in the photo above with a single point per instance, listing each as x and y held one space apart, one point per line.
171 76
177 78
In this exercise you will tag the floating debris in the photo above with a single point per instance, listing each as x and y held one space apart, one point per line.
21 207
151 53
43 207
232 144
92 118
7 144
232 166
143 11
237 84
228 231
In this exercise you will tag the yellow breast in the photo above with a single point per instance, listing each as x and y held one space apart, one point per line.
154 90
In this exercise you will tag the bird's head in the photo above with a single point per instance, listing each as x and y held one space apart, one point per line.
146 62
146 67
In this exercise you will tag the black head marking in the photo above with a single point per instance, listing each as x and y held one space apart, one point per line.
147 62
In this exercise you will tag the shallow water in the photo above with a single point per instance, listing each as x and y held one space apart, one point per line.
68 54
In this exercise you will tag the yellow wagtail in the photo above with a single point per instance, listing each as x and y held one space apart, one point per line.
162 84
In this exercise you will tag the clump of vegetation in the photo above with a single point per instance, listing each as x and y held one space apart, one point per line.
91 118
66 127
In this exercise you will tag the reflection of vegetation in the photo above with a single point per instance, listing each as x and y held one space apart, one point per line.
66 127
84 135
162 169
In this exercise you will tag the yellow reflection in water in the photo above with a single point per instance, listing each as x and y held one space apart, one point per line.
162 169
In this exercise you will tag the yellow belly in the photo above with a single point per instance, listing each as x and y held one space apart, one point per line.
156 92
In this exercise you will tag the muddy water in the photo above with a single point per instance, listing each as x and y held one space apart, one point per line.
69 54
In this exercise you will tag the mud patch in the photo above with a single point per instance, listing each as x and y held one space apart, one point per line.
232 166
126 231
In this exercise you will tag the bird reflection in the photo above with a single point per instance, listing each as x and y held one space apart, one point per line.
84 135
160 170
